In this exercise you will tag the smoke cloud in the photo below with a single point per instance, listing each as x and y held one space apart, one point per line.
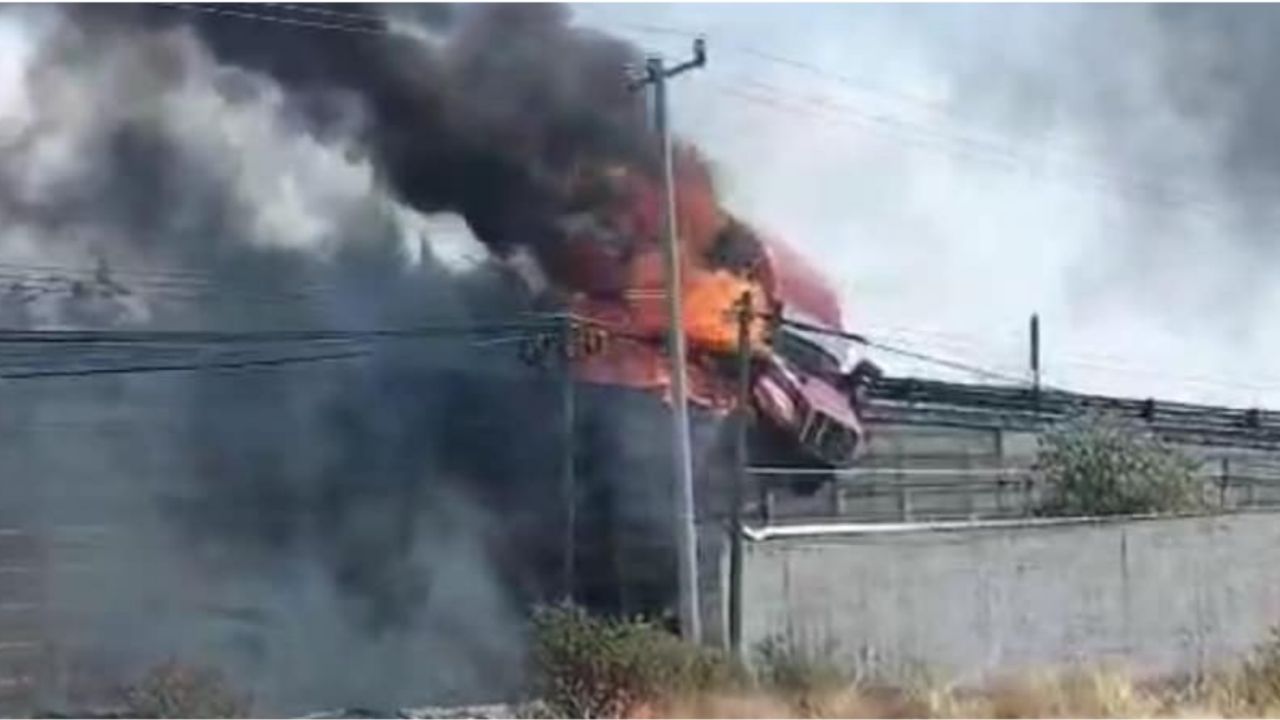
360 533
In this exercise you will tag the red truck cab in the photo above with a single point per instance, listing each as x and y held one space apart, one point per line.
802 386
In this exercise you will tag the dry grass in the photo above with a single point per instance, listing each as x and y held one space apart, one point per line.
595 668
1103 693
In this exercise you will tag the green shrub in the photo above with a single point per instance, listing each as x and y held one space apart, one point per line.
1098 464
598 667
173 690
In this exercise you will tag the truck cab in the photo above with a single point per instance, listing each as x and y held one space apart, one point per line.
807 389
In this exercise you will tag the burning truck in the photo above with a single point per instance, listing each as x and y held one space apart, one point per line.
608 273
806 387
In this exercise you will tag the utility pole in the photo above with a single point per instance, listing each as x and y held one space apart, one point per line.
1035 351
569 484
1035 362
740 475
657 74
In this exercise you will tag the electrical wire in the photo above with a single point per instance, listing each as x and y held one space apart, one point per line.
155 368
855 83
258 17
1143 186
923 357
102 362
134 337
324 12
923 137
23 284
111 270
1002 148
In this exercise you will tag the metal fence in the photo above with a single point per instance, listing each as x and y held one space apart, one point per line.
964 490
916 401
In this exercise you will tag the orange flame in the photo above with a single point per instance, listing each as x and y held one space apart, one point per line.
709 303
711 310
627 288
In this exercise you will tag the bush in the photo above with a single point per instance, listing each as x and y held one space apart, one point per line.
598 667
1101 465
172 690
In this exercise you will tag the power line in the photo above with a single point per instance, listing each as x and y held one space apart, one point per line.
1004 148
154 368
952 339
858 84
326 12
112 270
1131 186
1002 342
127 337
952 364
925 137
133 359
1117 365
1063 360
281 19
15 284
924 357
1144 187
884 119
27 283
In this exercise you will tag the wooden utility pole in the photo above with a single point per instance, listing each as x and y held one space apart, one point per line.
740 474
657 74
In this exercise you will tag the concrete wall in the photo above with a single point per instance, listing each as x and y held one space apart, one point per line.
1164 595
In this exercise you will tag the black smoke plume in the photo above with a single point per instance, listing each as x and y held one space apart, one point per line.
362 532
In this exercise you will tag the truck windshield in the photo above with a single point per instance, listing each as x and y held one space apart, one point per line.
806 354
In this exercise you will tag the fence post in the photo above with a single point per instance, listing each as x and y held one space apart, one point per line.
837 496
1222 484
904 502
971 509
765 500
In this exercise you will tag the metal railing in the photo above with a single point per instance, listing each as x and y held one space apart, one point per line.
902 494
916 401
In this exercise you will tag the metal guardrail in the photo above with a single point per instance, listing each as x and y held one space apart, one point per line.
916 390
912 401
910 494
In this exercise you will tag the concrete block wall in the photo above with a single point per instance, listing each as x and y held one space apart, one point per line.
1162 595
